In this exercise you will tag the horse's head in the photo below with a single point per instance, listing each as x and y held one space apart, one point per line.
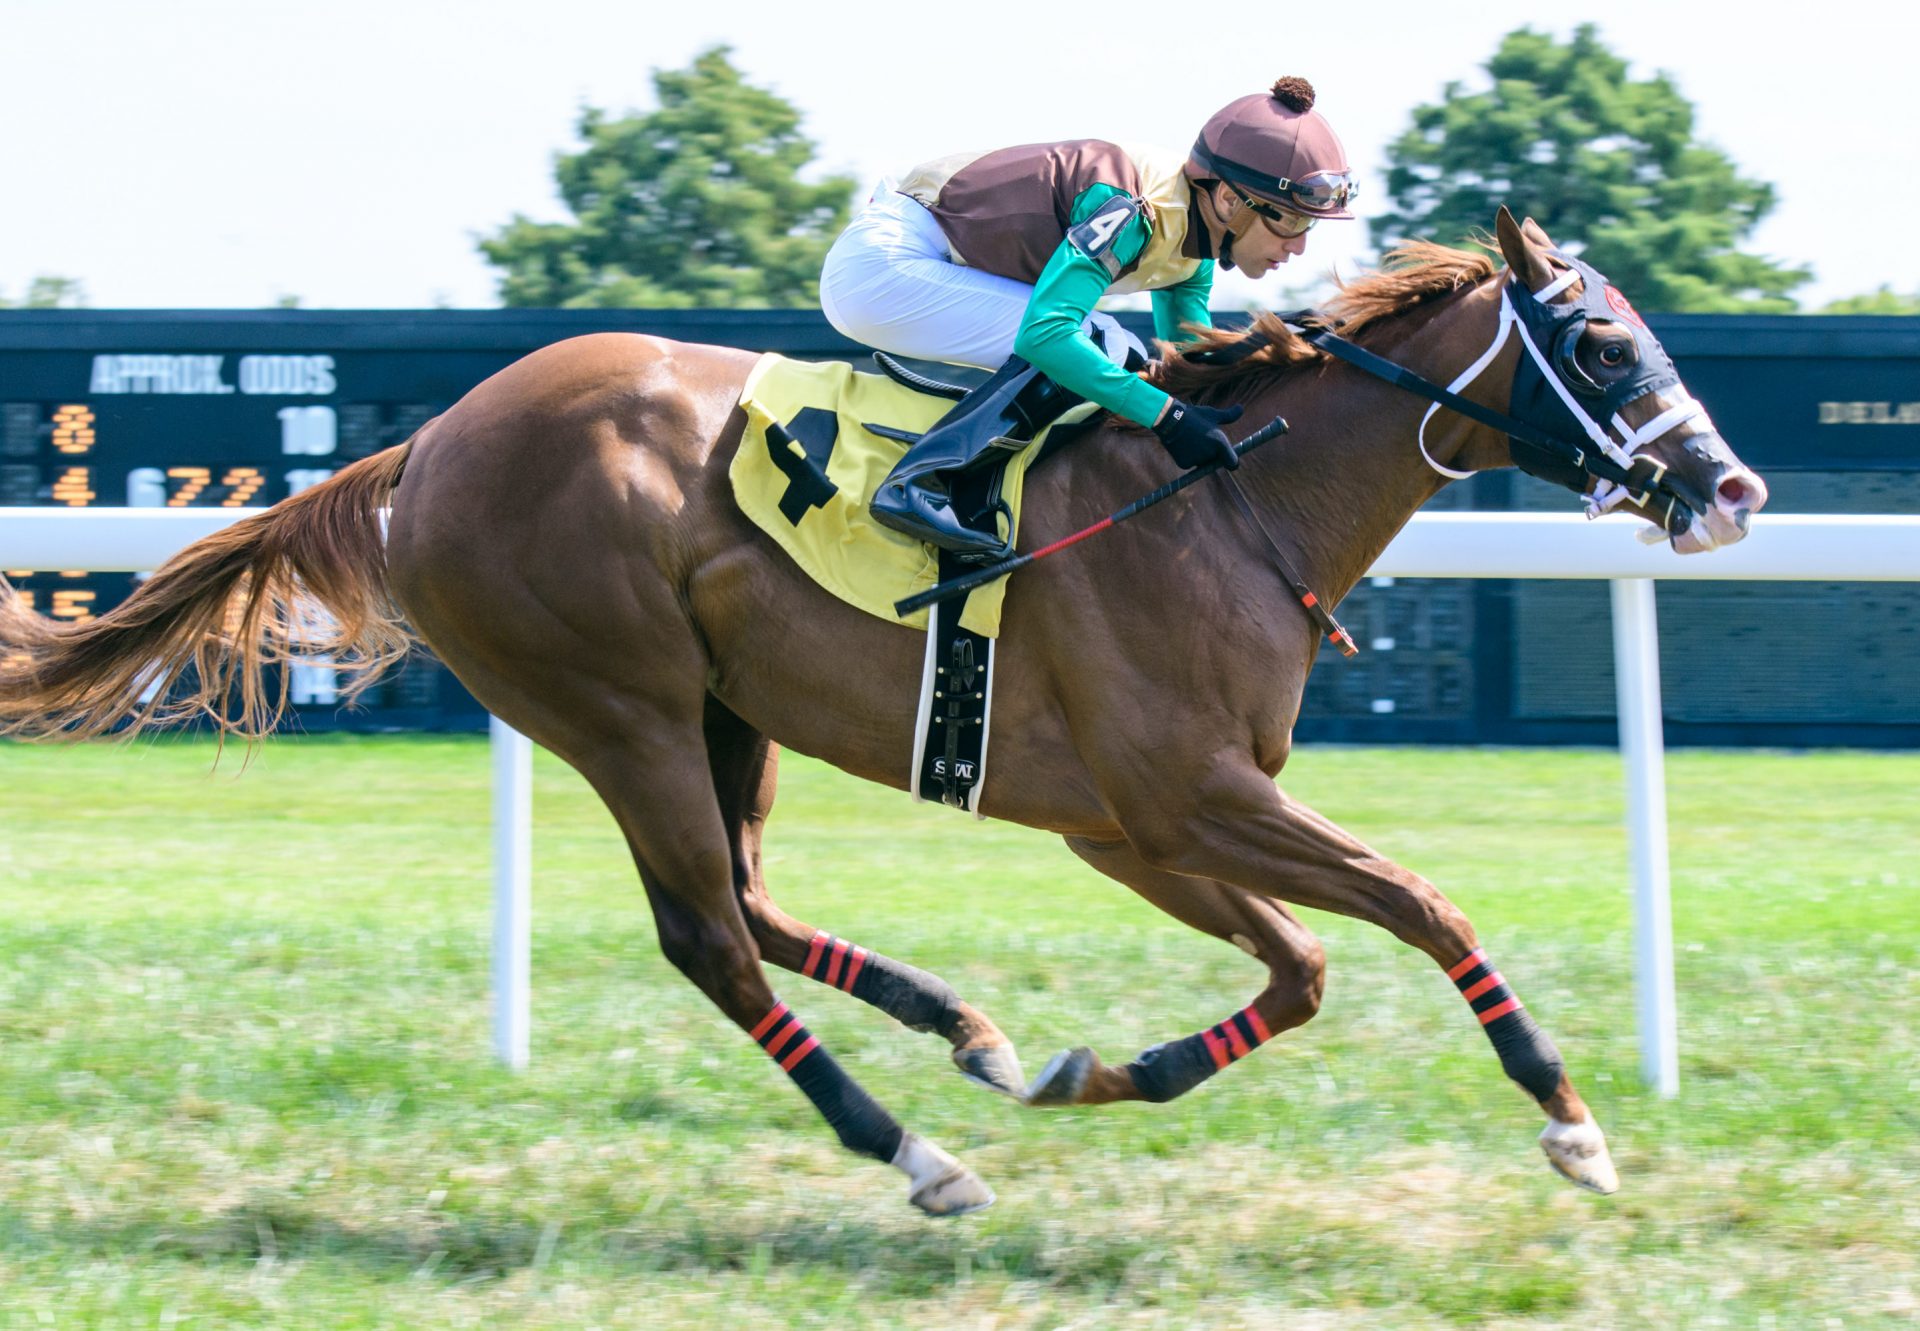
1590 368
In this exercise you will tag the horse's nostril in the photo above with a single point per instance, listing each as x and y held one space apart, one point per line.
1739 494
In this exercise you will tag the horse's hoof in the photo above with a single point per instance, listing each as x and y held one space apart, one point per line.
995 1067
1063 1078
936 1182
1579 1151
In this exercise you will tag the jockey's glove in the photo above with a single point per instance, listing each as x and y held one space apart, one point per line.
1193 434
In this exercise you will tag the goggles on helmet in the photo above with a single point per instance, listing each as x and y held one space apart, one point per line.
1283 222
1322 193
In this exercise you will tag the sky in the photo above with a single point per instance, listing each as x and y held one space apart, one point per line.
205 153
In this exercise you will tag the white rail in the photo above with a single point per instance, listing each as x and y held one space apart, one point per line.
1798 547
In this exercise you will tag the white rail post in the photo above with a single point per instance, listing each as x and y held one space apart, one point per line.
512 891
1636 667
1824 547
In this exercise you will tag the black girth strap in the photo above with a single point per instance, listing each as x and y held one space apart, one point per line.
956 683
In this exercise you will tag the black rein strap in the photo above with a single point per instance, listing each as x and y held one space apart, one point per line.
1401 377
1644 477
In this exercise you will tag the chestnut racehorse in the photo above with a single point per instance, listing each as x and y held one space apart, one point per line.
565 539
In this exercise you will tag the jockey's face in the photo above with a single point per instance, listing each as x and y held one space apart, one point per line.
1260 248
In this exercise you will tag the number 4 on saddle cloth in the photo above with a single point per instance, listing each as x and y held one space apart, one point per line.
806 468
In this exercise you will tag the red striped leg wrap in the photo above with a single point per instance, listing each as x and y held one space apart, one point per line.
784 1038
855 1116
1235 1038
1526 1053
1167 1070
834 961
1483 987
909 995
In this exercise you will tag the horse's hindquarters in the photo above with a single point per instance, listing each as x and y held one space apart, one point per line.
539 539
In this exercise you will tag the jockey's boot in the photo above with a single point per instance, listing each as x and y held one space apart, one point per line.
998 418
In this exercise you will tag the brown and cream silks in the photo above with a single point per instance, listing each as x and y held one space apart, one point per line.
1006 211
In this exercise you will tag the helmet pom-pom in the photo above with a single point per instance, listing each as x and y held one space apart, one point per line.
1294 93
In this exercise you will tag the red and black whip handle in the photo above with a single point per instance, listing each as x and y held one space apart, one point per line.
980 577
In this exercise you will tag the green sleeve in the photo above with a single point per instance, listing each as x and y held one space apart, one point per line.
1050 338
1183 303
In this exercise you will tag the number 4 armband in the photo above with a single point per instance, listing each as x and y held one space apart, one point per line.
1099 235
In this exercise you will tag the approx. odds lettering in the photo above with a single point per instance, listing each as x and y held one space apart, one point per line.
274 376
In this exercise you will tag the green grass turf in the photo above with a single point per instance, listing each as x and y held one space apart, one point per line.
245 1075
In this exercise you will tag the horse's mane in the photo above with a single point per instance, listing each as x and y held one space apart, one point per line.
1413 274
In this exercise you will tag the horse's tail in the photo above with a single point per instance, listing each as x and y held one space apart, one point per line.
306 578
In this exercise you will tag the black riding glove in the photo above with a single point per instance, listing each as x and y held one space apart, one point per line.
1194 437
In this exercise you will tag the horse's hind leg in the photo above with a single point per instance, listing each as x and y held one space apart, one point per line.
638 742
660 796
1259 926
744 767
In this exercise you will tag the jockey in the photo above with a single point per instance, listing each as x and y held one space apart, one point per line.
996 260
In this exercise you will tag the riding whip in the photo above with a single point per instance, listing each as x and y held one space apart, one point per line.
966 582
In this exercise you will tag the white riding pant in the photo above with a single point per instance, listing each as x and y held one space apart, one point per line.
891 281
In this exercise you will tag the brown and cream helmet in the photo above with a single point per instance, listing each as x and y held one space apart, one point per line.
1275 149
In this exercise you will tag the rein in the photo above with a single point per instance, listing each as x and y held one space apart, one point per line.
1617 468
1317 612
1624 472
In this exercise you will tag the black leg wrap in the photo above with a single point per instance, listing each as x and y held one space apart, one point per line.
856 1117
911 996
1169 1070
1526 1053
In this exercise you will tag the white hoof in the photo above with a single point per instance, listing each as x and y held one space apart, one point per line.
936 1182
1579 1151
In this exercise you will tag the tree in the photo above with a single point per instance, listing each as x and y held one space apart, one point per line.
1607 164
50 293
1883 299
697 203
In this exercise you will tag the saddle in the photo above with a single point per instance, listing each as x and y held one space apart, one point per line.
820 438
818 442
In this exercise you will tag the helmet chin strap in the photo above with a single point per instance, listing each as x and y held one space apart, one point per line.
1238 220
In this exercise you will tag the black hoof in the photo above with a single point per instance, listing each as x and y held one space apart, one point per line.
1063 1079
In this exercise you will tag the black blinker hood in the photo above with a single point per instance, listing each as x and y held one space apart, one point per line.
1548 327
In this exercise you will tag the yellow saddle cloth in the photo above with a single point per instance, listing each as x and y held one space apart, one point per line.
807 467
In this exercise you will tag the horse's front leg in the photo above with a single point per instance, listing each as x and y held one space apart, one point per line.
1257 925
1239 828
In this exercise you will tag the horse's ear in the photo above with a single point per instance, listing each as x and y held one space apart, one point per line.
1524 248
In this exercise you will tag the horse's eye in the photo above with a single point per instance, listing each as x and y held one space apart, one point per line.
1613 355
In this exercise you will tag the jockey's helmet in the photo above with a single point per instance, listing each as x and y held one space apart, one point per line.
1279 155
